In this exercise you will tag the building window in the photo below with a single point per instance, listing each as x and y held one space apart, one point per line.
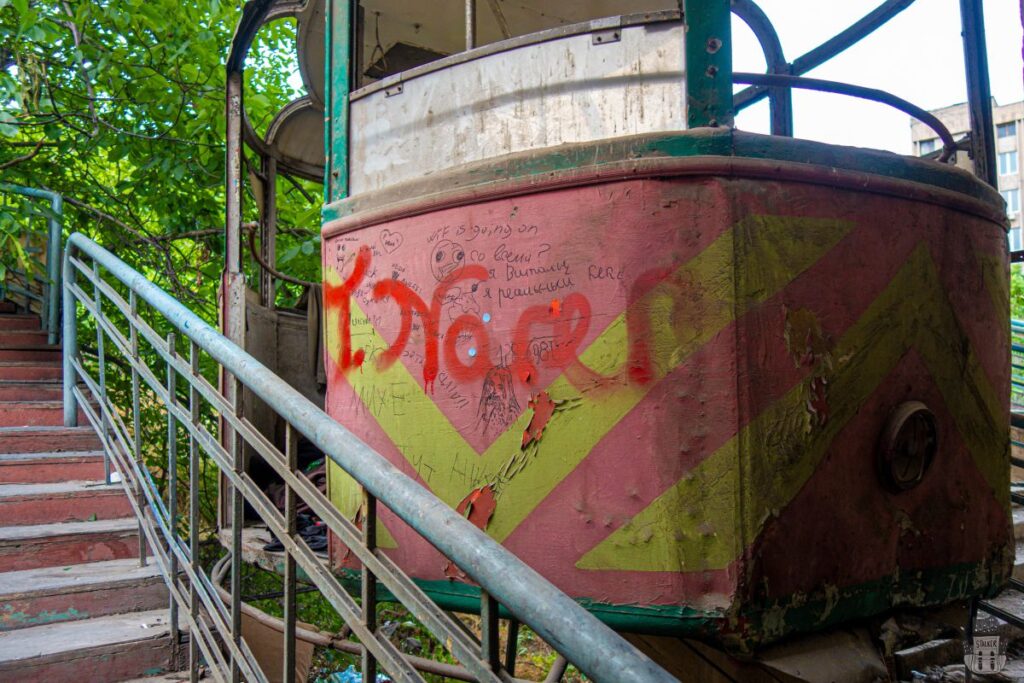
1008 163
1016 243
927 146
1007 130
1012 198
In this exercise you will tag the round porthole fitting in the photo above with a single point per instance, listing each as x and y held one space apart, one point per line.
907 446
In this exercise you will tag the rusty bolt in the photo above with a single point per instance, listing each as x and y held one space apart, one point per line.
714 45
712 71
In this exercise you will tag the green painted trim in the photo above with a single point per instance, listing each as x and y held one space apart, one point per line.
590 157
761 623
336 78
756 623
654 619
708 51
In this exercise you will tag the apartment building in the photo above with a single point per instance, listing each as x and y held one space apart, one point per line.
1009 130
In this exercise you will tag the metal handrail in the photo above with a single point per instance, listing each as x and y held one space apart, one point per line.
872 94
505 580
51 287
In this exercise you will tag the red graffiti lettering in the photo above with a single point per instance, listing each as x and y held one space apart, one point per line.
340 297
567 319
409 302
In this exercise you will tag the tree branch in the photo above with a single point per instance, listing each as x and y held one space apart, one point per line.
24 157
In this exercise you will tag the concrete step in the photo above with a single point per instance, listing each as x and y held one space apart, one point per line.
22 337
66 501
35 414
111 648
54 594
16 321
48 440
26 390
67 543
30 370
38 468
27 352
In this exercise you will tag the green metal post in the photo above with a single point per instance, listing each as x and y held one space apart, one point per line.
337 78
708 63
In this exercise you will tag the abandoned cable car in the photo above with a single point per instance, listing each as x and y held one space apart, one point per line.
566 295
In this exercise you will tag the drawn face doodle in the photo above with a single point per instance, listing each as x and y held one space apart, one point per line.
447 260
498 406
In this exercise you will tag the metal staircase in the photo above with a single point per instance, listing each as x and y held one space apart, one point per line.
72 591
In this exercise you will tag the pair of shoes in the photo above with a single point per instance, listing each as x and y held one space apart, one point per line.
314 533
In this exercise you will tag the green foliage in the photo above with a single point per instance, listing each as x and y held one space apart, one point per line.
119 106
1016 292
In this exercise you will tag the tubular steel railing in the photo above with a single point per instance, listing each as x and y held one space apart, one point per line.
32 287
114 298
1017 365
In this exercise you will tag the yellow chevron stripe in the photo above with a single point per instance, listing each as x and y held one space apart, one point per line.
695 526
782 247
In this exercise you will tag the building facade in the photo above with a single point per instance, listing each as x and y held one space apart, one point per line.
1009 129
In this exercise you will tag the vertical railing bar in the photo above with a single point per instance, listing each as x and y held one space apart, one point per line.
193 505
101 358
133 310
237 512
70 341
369 582
470 24
291 451
511 646
172 484
54 244
490 649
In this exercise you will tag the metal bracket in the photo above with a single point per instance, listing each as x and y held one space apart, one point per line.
602 37
396 89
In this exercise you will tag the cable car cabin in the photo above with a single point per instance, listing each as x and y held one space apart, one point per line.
707 382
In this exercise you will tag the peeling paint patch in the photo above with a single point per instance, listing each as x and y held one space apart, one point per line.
809 348
478 508
543 408
12 618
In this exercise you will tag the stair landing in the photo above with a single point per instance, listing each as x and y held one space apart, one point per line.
75 603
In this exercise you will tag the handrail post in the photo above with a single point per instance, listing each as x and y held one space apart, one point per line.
237 450
369 583
193 506
291 452
53 265
172 485
70 343
979 91
102 368
133 336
